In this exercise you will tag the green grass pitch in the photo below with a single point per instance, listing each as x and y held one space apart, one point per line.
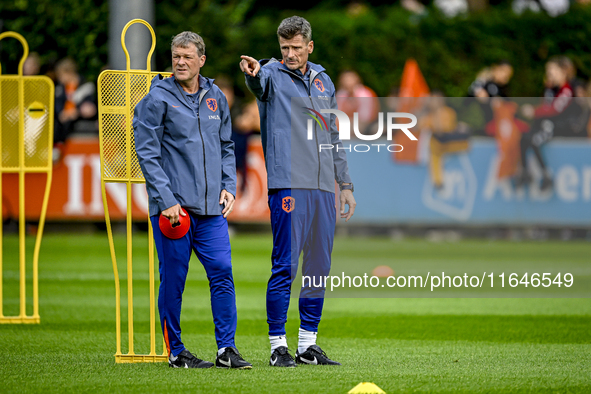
402 345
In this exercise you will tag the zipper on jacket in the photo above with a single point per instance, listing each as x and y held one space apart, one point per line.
309 88
200 135
316 139
204 167
315 133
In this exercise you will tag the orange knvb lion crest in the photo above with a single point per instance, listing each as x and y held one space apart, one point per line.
288 204
212 104
319 85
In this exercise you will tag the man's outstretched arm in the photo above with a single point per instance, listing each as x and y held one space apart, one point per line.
257 79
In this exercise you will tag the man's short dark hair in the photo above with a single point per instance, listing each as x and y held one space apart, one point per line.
292 26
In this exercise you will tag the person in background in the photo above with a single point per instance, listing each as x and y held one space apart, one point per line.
579 87
571 75
245 122
441 121
48 68
75 100
580 113
227 88
32 64
507 131
353 96
491 82
553 114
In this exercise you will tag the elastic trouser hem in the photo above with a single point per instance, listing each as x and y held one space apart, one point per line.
177 352
309 326
276 329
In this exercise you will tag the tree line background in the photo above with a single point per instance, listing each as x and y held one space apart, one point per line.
372 38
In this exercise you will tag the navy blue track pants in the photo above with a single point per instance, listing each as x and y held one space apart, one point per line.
302 220
208 237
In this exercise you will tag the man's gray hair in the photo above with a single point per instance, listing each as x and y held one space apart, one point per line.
184 39
292 26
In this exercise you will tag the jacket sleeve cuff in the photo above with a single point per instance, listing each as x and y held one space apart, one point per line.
168 200
230 188
253 83
258 76
345 178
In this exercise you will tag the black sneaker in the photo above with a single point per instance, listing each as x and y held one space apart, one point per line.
281 358
230 358
186 360
315 356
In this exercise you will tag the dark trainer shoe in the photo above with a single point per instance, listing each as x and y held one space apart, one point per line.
186 360
281 358
230 358
315 356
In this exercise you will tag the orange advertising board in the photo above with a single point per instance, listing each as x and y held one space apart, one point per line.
76 189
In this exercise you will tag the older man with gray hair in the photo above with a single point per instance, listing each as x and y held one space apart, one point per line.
182 134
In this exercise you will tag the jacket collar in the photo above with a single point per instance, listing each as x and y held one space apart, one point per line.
172 86
314 68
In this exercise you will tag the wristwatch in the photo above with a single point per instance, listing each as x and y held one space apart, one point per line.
347 186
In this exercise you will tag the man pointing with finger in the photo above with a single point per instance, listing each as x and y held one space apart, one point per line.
182 135
301 181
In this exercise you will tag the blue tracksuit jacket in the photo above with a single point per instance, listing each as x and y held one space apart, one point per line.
293 161
181 153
